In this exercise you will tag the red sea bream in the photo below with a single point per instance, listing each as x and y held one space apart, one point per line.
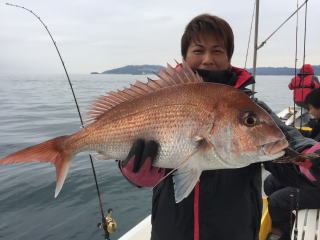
198 125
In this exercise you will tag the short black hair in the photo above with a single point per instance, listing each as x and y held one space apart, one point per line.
313 98
208 24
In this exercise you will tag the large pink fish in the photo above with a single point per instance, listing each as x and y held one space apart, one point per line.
199 126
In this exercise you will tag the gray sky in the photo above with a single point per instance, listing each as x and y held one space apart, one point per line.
97 35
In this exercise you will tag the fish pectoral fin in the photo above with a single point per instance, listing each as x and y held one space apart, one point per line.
184 180
202 143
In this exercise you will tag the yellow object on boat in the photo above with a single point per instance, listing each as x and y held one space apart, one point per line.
304 128
265 226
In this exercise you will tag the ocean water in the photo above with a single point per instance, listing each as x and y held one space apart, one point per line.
36 108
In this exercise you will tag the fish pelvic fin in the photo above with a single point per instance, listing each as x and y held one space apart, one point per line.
50 151
184 180
186 175
189 172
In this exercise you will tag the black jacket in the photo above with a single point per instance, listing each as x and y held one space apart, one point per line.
230 204
229 207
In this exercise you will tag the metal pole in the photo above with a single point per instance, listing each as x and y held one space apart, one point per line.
255 43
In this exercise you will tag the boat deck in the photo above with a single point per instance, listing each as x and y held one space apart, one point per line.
142 231
308 225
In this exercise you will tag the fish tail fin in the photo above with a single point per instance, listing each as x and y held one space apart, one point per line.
50 151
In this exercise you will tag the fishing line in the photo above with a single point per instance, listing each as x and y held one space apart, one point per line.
295 65
254 7
77 106
265 41
291 210
295 236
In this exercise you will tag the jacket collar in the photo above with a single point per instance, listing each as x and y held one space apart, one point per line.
244 78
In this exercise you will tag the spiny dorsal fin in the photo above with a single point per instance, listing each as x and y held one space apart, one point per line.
167 78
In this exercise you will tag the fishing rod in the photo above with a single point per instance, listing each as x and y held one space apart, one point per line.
295 67
256 46
304 59
108 223
295 63
291 210
295 236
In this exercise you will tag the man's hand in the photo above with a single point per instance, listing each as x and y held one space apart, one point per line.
137 167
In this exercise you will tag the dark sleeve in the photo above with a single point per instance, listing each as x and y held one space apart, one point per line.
290 86
296 140
316 82
289 173
306 133
315 169
315 125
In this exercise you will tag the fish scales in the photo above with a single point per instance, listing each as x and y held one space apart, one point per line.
171 125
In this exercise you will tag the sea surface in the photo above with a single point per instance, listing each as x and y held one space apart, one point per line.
35 108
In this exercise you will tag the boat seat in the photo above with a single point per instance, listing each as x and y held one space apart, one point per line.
308 225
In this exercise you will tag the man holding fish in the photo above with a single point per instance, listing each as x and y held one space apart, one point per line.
224 204
196 119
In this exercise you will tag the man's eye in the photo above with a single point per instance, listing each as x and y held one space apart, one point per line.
197 51
218 51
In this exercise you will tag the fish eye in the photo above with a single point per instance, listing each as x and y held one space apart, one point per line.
249 119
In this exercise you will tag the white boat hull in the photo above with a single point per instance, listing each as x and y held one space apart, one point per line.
294 116
139 232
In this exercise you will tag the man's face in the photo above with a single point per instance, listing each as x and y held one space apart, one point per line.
207 53
314 111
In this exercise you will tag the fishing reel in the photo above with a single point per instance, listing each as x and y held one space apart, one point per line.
108 224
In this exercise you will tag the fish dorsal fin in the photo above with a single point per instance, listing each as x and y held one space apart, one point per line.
167 78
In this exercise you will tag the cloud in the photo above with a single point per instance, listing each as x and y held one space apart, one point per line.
96 35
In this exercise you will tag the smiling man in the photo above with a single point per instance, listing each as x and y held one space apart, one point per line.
224 204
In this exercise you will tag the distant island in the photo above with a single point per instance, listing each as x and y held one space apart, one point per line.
151 69
282 70
135 69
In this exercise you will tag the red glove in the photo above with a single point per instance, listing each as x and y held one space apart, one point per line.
137 167
306 165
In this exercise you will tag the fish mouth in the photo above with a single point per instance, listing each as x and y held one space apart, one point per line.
275 148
